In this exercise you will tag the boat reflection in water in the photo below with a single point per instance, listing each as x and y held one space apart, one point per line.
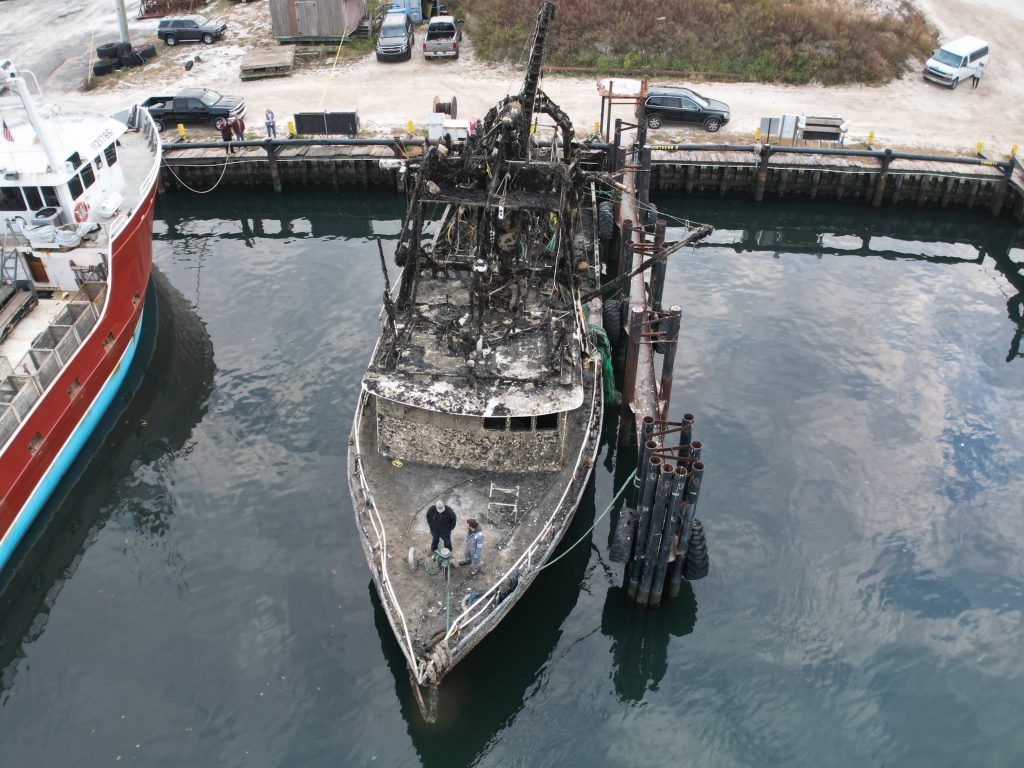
163 398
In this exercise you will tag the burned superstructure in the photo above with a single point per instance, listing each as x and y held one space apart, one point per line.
484 388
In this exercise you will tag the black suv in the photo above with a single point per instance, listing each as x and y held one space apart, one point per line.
176 29
675 104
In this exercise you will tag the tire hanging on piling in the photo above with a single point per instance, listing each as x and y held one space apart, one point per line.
611 317
697 561
605 220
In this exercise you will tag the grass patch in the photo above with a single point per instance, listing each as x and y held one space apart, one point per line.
789 41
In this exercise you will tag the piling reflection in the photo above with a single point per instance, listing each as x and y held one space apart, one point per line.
163 398
828 230
640 638
484 692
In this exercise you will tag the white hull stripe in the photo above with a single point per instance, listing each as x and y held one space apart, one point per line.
70 449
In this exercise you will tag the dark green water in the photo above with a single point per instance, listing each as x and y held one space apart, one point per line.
200 597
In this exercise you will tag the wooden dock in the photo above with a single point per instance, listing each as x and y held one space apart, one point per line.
926 180
268 62
878 178
278 164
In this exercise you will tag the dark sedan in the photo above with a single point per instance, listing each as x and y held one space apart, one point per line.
670 104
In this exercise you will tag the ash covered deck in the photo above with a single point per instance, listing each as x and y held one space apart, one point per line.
528 362
513 509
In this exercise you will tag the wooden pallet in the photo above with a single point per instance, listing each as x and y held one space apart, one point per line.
152 9
268 62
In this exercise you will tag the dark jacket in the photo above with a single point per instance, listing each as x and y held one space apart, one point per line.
440 523
225 131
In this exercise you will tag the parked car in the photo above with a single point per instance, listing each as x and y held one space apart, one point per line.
193 105
395 38
957 60
675 104
176 29
442 39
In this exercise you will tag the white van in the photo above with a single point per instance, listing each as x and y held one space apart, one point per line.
956 61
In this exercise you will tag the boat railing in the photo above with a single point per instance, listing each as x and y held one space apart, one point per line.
382 541
23 384
143 122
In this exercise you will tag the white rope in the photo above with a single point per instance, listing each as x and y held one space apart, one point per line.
200 192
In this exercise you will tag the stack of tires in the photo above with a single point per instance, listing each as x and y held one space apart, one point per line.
119 55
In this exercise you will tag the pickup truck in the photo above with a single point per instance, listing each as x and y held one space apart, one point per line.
193 105
442 38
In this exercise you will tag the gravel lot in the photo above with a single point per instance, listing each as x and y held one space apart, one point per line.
55 40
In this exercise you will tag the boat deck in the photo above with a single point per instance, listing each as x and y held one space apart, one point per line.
20 339
403 491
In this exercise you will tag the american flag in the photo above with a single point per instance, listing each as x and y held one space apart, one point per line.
7 132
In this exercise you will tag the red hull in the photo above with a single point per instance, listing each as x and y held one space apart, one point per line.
62 408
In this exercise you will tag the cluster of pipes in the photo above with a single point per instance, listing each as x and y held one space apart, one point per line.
668 483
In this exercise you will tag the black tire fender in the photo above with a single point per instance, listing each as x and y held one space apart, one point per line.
108 50
101 67
605 219
611 317
697 561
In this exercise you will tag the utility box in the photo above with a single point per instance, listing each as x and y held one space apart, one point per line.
438 125
318 21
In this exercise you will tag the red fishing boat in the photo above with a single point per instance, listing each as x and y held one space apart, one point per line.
76 221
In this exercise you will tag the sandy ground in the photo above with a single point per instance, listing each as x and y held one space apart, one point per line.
55 40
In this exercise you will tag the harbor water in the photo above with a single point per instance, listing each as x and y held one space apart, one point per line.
196 593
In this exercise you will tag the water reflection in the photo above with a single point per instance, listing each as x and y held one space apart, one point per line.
262 217
163 397
892 234
640 638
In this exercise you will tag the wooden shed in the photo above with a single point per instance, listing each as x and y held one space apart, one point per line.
315 20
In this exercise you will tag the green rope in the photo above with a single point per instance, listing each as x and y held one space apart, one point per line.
590 530
599 339
442 561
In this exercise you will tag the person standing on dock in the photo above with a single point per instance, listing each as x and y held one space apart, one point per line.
474 547
270 123
225 133
441 519
238 126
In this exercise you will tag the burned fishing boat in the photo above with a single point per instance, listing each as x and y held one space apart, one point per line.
485 386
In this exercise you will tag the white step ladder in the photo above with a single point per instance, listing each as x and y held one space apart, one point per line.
506 503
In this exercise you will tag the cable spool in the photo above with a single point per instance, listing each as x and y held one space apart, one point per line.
450 108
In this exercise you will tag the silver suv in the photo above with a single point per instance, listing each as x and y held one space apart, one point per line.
175 29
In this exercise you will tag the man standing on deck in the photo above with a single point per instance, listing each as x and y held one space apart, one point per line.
474 547
441 519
